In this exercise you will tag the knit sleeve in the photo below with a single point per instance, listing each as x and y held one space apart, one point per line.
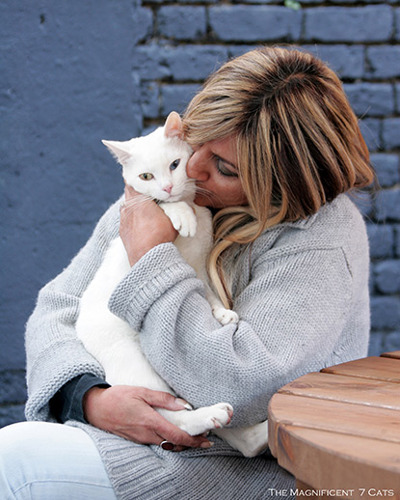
292 313
54 353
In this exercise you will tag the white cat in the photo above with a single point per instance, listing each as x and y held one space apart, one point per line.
155 165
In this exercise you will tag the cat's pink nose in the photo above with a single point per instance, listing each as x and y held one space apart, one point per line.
168 188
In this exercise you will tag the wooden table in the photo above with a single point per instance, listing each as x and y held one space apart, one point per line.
338 431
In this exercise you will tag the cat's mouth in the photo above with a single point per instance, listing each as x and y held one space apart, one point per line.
169 199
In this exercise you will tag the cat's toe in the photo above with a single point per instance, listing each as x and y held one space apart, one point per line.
223 413
225 316
185 227
189 228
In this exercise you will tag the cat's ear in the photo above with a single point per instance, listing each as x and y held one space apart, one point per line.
173 125
119 150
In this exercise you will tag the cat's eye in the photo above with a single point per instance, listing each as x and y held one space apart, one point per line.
146 177
174 164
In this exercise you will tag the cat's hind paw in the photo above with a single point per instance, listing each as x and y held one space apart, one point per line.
225 316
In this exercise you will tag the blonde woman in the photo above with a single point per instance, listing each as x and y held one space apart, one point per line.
276 149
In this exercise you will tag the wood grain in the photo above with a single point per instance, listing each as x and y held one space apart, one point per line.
368 392
344 418
393 354
339 429
329 460
376 368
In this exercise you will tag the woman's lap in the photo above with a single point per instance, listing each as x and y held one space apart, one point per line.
44 461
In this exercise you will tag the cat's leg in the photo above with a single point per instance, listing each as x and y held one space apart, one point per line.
204 419
223 315
182 216
250 441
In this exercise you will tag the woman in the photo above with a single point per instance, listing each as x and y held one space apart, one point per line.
276 146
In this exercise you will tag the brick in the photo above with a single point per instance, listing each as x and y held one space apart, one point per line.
148 61
151 128
360 2
385 313
176 97
375 347
186 1
349 24
192 62
381 240
397 90
388 205
391 341
383 61
397 240
150 99
391 133
184 62
238 50
11 415
363 201
255 23
371 131
387 276
256 1
12 387
387 168
143 24
346 60
370 99
182 22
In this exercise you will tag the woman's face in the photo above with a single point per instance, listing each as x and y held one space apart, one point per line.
214 167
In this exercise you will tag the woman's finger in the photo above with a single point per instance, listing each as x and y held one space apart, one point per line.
165 400
177 436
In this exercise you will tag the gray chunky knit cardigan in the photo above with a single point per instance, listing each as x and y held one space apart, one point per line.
301 292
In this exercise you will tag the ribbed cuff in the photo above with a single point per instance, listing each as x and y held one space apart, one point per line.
155 273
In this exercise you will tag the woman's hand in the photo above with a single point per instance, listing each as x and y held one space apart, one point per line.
143 225
129 412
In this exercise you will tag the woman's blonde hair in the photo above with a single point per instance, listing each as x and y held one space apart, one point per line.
298 141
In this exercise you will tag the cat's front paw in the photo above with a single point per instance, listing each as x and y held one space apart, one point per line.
225 316
182 217
213 417
222 415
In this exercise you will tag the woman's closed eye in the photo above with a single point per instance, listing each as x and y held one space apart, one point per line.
224 168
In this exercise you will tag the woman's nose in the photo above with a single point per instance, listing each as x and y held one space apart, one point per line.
196 167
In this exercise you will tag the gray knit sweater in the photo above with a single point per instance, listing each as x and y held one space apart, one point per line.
301 292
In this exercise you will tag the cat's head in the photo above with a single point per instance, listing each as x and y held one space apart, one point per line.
155 165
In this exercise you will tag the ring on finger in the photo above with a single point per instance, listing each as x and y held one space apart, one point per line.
167 445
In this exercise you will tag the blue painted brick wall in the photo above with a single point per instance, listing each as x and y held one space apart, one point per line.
76 72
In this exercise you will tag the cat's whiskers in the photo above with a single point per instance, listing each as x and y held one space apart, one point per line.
132 203
212 197
188 188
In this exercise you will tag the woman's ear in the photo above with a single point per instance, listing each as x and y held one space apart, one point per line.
173 126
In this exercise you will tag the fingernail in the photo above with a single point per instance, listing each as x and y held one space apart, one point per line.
207 444
183 403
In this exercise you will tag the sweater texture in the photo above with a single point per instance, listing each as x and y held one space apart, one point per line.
301 292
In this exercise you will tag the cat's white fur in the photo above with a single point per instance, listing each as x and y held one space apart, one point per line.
112 341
